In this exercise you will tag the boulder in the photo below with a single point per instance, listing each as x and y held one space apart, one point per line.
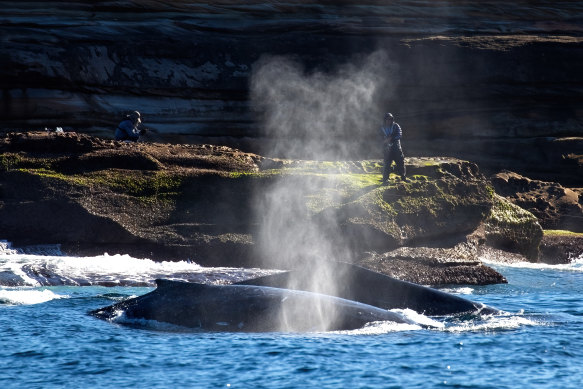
561 247
458 265
556 207
511 228
443 201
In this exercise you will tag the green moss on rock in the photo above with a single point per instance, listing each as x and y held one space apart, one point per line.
512 228
562 233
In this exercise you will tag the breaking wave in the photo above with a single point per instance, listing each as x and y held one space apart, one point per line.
22 269
27 296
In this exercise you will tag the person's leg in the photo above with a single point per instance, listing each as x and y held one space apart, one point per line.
400 161
387 163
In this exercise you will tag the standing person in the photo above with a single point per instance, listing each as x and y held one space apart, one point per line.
392 150
130 128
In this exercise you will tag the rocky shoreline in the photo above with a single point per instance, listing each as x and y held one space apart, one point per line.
220 206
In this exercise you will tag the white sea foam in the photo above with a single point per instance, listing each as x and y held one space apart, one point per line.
6 248
576 265
419 321
419 318
460 290
381 327
501 258
18 269
27 296
491 324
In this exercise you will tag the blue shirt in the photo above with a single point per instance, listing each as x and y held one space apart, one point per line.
126 130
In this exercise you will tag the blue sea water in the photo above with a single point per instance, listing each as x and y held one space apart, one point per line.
47 339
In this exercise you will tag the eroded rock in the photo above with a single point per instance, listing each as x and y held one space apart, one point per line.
209 204
556 207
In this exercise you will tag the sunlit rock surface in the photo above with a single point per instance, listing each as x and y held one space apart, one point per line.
557 207
484 81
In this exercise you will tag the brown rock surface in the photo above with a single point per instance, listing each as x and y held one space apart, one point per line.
434 266
556 207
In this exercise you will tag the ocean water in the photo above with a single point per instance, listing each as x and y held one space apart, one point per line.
47 339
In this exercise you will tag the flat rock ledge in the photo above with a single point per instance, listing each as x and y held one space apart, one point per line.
211 204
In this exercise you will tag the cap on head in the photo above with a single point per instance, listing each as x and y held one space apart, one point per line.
389 116
135 115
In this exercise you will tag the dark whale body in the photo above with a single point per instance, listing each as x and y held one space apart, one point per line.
246 308
359 284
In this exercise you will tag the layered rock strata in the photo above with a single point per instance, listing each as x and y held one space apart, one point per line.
494 81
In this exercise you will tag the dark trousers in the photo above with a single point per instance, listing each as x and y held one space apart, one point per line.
393 152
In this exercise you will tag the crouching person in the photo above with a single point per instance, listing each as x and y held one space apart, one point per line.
131 128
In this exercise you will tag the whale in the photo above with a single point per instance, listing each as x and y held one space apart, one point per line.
244 308
353 282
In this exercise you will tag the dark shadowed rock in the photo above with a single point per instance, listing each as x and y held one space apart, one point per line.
498 83
561 247
434 266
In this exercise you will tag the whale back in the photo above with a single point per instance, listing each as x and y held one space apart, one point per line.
372 288
247 308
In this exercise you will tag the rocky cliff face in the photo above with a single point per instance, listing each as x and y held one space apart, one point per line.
222 207
495 81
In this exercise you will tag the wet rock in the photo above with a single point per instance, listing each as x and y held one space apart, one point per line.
434 266
561 247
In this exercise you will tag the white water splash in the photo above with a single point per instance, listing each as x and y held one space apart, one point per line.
576 265
382 327
496 257
27 296
491 324
458 291
109 270
6 248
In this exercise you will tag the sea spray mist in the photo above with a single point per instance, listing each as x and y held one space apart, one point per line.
319 116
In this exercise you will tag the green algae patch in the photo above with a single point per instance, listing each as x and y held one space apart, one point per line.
506 213
333 190
138 184
45 173
14 161
9 161
509 227
256 174
132 183
562 233
421 208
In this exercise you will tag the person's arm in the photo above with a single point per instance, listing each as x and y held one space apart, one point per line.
134 134
397 132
